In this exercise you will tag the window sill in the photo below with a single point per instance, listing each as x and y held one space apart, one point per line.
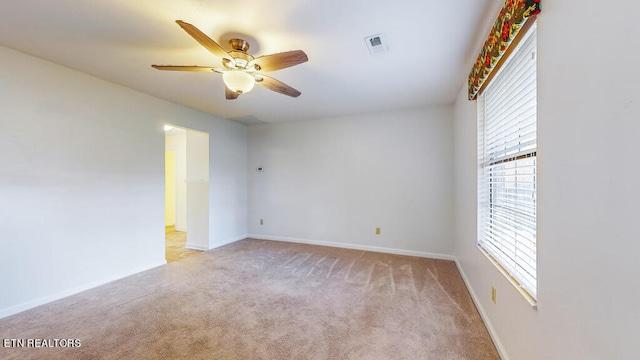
516 285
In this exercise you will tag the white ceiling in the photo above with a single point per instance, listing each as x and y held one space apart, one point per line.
431 45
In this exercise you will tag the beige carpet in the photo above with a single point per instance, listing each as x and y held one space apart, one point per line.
258 299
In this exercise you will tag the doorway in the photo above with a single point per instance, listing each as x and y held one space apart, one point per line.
186 192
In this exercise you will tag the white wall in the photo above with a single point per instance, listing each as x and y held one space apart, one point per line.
197 190
588 197
82 181
178 143
170 188
335 180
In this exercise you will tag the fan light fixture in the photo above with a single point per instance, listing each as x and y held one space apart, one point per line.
241 71
238 81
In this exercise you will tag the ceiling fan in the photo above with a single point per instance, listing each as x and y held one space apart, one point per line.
240 70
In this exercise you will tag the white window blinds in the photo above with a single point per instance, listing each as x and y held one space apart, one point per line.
507 165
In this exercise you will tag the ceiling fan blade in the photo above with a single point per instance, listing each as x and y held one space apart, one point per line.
230 94
184 68
279 61
204 40
278 86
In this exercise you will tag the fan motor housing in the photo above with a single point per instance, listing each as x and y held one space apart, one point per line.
239 51
240 55
239 45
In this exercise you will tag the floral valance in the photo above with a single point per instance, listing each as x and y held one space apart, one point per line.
512 17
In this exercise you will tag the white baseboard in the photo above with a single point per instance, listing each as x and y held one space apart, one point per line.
483 314
356 247
192 246
216 245
57 296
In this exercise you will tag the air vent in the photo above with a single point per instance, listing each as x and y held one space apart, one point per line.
376 44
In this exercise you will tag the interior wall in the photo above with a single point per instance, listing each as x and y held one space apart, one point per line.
169 187
588 201
87 180
178 143
333 181
197 184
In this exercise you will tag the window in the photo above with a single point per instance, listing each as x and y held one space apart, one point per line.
507 165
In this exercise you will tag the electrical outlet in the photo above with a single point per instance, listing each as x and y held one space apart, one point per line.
377 231
493 294
261 222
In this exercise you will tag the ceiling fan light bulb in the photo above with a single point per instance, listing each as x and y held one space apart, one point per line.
238 81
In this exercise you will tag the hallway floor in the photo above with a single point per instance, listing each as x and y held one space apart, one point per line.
175 242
